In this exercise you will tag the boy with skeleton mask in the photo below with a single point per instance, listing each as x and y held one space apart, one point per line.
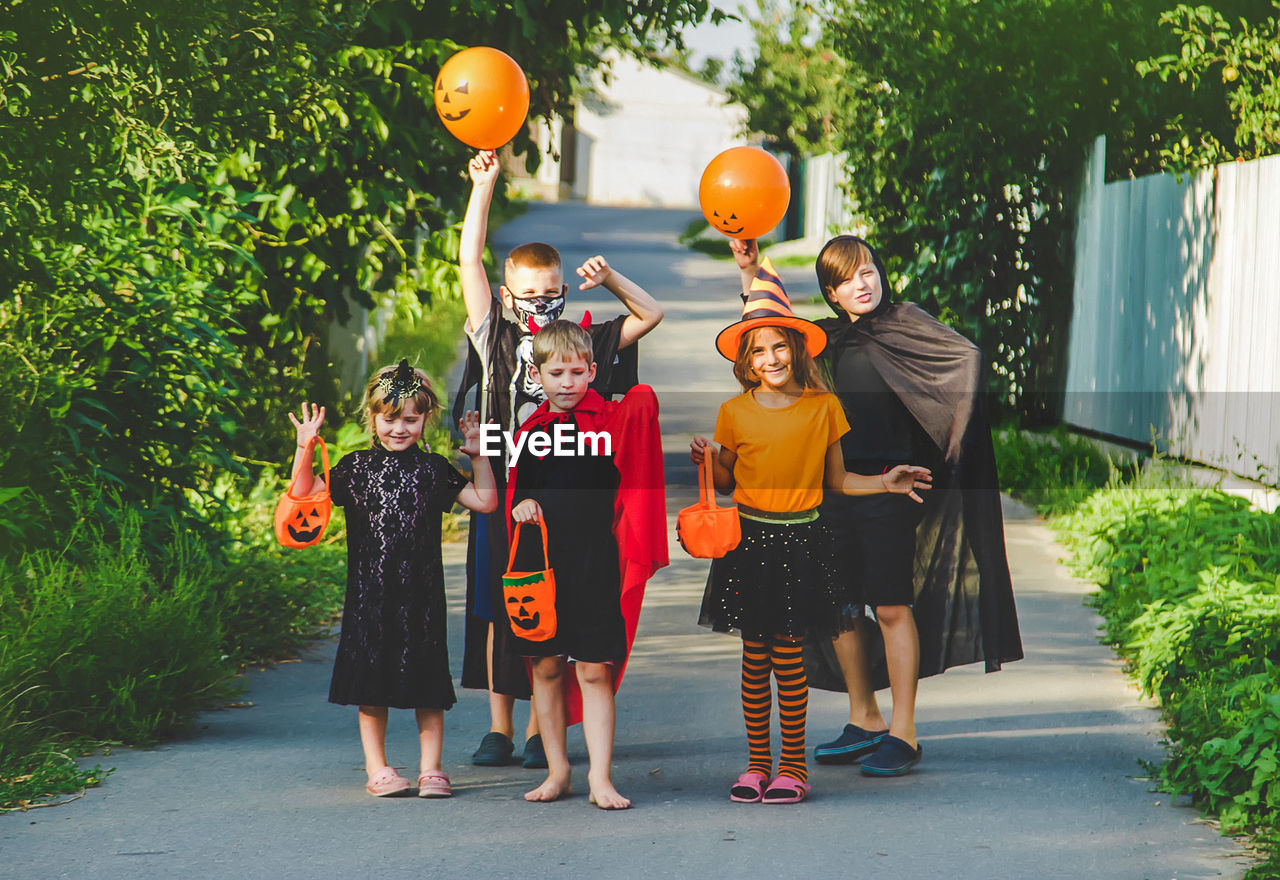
497 373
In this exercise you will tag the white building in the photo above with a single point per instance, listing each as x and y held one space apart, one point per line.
641 136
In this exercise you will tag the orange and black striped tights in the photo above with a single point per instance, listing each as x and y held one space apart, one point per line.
781 656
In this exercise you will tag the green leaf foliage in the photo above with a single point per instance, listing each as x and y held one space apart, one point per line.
1237 63
195 198
1190 598
964 127
192 195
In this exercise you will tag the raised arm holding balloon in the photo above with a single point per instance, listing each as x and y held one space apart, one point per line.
497 375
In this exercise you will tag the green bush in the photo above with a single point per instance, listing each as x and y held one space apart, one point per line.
1190 600
105 641
1053 471
31 769
122 648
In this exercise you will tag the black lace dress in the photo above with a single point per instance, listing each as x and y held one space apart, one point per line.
393 649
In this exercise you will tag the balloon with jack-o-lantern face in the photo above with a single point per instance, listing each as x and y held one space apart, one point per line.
482 97
744 192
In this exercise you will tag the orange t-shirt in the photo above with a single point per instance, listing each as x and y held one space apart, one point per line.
781 452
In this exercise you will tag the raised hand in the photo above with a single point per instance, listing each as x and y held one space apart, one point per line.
309 425
746 253
906 478
594 272
472 436
484 168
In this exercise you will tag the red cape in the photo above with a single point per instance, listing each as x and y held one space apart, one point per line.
639 510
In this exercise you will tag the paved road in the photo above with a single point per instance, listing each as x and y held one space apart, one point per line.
1031 772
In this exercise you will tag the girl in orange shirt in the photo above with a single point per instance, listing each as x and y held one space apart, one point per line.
776 445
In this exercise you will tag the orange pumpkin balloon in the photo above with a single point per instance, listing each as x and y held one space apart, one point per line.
744 192
482 97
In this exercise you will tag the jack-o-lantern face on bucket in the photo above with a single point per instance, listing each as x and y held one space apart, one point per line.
531 603
530 596
520 610
300 519
744 192
306 525
482 97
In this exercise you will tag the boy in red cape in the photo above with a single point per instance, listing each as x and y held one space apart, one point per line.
592 470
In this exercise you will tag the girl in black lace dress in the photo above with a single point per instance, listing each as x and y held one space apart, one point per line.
392 651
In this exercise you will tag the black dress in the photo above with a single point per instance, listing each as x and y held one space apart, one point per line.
393 649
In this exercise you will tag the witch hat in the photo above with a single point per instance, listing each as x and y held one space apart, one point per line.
767 305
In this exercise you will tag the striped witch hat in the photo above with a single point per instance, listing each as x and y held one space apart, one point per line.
767 305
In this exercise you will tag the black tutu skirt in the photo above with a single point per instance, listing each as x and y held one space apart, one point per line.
779 581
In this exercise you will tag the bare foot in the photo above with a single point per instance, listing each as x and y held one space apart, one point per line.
551 789
606 797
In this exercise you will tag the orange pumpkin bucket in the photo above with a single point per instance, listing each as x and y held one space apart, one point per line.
301 519
530 596
706 530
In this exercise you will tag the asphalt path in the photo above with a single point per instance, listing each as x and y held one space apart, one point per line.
1032 772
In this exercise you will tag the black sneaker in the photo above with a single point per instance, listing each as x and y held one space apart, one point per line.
495 750
852 744
893 758
535 758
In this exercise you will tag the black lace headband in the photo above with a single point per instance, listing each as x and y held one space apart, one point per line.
398 383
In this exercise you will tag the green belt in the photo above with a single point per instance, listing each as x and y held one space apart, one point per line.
787 518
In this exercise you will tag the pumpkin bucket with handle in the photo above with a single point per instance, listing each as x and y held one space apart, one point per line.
706 530
301 519
530 596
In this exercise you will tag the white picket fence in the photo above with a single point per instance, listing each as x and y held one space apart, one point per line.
1176 317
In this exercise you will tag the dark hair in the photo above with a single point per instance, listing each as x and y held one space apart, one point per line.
803 366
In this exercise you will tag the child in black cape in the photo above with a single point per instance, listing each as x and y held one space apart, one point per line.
937 576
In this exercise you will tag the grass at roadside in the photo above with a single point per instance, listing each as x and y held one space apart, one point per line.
1189 592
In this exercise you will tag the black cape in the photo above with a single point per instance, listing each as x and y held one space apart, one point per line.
964 605
488 387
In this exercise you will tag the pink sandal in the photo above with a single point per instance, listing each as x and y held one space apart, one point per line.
434 785
785 790
386 783
749 788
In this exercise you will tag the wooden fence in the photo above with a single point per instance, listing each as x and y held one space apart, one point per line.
1176 321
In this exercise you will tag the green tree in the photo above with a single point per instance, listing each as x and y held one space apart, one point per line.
191 193
791 86
1239 67
966 125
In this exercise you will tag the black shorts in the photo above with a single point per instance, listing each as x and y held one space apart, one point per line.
875 546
